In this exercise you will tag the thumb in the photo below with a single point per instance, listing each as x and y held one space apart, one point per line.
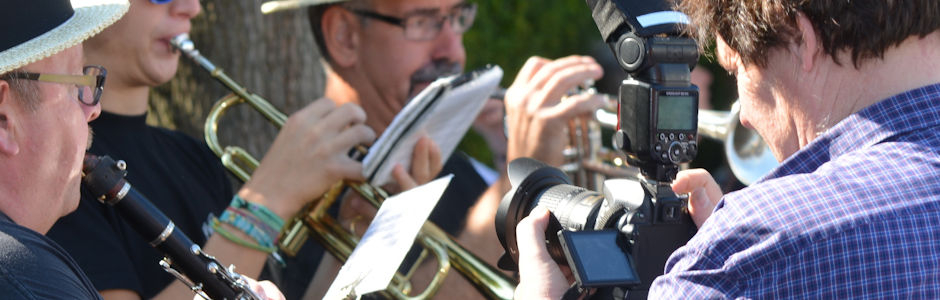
700 205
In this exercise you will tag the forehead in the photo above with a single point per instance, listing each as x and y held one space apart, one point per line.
403 7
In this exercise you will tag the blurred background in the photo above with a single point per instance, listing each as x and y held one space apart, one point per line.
275 57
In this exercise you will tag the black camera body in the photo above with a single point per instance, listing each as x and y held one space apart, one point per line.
618 241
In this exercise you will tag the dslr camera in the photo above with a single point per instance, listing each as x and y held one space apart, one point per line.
617 242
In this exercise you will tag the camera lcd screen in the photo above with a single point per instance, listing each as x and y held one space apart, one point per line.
676 113
597 260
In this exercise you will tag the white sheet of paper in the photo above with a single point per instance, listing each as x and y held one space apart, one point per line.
441 111
376 258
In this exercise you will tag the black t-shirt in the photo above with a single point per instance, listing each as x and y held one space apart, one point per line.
34 267
179 174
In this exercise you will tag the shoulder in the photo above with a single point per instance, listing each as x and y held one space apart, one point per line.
790 223
33 267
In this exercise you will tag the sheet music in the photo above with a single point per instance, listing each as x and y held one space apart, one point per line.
376 258
444 111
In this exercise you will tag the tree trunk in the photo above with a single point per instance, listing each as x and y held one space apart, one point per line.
273 56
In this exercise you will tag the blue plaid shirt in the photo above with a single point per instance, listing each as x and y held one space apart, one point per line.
854 214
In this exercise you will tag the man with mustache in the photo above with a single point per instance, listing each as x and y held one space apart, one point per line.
847 95
380 53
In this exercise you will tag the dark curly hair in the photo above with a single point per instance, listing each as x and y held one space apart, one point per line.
864 28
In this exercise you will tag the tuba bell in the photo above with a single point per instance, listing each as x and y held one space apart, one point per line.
313 219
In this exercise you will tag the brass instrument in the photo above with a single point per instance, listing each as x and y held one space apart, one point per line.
748 155
588 162
337 240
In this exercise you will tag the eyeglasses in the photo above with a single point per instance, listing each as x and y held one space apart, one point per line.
89 85
424 26
160 1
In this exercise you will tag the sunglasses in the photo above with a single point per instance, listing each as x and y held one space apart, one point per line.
160 1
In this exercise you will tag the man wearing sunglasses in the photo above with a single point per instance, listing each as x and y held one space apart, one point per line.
380 53
182 177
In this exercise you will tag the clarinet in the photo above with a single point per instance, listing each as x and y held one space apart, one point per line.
104 179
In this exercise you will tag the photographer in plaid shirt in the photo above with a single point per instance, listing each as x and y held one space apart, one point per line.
847 95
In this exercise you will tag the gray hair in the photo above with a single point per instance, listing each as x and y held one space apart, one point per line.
26 90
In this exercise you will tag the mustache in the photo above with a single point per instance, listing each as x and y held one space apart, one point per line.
435 70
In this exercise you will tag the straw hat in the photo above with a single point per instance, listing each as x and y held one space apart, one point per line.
281 5
35 29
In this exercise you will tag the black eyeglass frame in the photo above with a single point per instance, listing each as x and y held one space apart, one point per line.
95 81
469 8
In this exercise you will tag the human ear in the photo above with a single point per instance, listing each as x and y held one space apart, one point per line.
8 145
809 48
341 36
727 57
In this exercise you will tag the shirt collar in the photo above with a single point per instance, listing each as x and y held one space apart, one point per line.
4 217
916 109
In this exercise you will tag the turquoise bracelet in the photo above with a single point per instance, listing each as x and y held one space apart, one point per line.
263 213
256 231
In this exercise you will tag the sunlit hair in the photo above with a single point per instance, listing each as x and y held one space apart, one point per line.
863 28
26 90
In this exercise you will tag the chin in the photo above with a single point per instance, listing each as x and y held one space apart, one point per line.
163 73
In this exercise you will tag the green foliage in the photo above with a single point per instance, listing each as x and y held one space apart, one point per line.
506 33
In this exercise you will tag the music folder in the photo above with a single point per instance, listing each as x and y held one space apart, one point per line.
444 111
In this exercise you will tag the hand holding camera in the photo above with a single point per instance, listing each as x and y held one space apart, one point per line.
616 242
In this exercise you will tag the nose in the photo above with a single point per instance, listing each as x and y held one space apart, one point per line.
185 8
448 45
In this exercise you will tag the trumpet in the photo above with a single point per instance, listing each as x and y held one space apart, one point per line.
588 163
313 219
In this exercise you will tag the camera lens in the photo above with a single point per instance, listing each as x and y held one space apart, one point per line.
536 184
574 207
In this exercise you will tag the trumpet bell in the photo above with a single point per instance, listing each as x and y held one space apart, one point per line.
748 155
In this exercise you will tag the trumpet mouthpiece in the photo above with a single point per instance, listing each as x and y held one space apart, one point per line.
182 42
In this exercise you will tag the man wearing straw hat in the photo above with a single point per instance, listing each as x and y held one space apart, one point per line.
46 101
45 107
